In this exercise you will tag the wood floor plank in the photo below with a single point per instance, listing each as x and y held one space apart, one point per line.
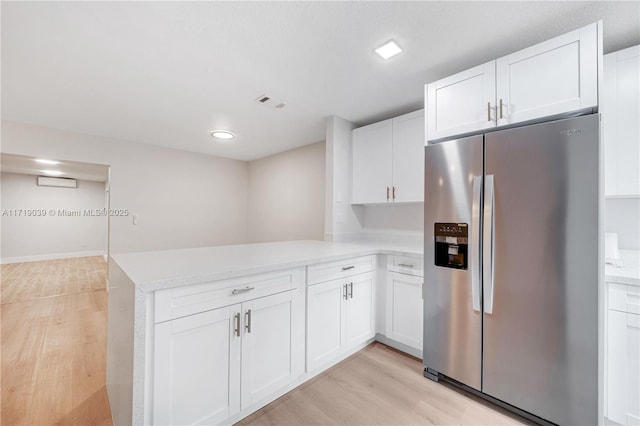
33 280
379 386
54 357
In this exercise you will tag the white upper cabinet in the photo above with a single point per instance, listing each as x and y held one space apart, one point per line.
620 109
553 78
461 103
372 151
388 160
408 157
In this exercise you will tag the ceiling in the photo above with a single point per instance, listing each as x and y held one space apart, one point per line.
168 73
21 164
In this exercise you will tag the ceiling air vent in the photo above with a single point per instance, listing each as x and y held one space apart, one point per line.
269 102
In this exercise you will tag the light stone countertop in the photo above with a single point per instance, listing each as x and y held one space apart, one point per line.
629 273
156 270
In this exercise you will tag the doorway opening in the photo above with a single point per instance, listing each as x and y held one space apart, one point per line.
55 227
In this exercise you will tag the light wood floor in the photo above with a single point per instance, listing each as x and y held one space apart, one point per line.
34 280
379 386
54 347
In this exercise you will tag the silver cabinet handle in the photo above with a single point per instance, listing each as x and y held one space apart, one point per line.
488 111
351 290
393 193
346 268
500 108
406 265
247 320
344 292
242 290
387 193
236 330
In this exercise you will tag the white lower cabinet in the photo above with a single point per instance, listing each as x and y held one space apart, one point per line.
359 318
211 365
623 366
623 355
340 316
404 309
197 368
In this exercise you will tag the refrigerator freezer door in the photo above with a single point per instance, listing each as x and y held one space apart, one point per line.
452 327
541 334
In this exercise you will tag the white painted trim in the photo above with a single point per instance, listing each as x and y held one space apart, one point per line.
52 256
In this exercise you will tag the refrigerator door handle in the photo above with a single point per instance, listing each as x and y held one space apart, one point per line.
488 246
475 243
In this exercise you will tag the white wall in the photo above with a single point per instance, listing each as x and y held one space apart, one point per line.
622 216
394 217
286 195
342 220
183 199
50 236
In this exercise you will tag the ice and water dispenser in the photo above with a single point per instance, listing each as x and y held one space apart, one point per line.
451 245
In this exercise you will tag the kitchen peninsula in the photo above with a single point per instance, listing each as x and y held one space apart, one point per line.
212 334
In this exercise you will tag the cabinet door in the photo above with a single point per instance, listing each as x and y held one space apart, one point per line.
372 151
325 322
462 103
269 346
359 312
404 309
623 369
621 127
197 368
554 77
609 111
408 157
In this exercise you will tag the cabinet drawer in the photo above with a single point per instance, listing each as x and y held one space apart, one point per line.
624 298
405 264
192 299
341 268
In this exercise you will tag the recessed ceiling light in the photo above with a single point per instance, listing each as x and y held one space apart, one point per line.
224 135
52 172
44 161
388 49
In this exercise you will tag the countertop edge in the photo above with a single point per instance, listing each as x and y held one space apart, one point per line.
163 284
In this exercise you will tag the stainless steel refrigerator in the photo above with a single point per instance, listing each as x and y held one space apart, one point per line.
511 267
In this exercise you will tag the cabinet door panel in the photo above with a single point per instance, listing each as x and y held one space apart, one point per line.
628 123
267 346
554 77
620 108
371 153
197 369
460 104
325 318
404 309
359 313
408 157
608 109
623 368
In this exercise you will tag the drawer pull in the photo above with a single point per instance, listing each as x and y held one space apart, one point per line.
350 290
242 290
344 292
406 265
346 268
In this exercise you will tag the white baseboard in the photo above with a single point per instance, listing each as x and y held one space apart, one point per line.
52 256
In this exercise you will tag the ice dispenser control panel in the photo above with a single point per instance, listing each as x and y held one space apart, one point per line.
451 244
